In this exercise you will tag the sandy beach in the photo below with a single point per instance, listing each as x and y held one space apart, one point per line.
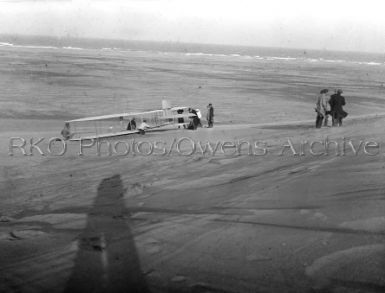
223 222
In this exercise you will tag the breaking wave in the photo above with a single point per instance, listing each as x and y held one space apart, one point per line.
279 58
73 48
5 44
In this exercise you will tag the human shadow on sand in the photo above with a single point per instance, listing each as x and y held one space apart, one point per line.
107 260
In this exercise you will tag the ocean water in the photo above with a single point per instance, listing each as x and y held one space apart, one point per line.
66 78
194 49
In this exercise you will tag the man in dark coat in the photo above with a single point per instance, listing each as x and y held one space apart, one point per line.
210 115
195 121
133 123
336 102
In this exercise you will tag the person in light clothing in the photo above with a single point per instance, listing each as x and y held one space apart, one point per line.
143 125
322 108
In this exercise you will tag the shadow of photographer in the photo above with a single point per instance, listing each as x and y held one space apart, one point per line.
107 259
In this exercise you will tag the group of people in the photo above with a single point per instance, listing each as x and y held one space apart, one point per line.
330 105
132 125
196 121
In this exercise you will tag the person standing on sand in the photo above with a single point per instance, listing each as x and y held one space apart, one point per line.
133 123
66 132
194 121
322 108
210 115
337 112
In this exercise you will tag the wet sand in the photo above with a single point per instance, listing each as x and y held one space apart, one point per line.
198 223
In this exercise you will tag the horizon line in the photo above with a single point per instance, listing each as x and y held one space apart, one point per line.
173 42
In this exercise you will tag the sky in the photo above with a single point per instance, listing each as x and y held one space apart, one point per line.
354 25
